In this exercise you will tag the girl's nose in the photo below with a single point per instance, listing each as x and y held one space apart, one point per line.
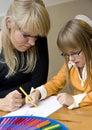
71 58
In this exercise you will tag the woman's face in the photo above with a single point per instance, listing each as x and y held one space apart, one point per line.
22 40
75 55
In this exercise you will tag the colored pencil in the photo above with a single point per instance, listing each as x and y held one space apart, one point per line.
28 97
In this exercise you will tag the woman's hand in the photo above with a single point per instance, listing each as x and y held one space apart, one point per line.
11 102
35 96
65 99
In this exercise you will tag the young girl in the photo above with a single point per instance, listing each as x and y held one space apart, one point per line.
75 42
23 51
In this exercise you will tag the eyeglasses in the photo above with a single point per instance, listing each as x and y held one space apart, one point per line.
74 54
25 35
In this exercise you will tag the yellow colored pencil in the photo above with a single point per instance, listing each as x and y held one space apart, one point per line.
28 97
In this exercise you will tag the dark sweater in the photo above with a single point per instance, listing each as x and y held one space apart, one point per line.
33 79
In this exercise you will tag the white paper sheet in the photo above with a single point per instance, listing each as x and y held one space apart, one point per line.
44 108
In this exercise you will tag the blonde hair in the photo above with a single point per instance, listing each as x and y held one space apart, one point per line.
29 14
77 34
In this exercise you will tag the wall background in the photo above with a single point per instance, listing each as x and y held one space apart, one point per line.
60 11
5 3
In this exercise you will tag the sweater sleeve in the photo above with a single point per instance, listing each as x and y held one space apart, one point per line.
87 100
57 82
80 100
77 100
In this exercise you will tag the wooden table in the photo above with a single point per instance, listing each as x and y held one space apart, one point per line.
77 119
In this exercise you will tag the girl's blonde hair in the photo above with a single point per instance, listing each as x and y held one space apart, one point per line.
29 14
77 34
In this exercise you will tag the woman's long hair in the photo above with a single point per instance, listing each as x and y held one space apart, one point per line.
29 14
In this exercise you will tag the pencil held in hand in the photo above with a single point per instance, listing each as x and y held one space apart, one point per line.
28 97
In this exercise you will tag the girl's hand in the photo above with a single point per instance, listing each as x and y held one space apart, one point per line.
65 99
35 96
12 101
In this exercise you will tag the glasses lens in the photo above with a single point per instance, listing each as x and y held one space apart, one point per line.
25 35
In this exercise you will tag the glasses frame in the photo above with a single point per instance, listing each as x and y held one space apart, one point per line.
25 35
72 54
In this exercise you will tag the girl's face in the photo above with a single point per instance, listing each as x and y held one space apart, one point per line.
22 40
76 56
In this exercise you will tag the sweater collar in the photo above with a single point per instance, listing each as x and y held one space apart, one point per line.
84 72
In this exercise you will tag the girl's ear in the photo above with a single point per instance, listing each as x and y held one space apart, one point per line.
9 22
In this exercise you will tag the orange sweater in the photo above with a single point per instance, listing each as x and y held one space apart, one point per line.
58 82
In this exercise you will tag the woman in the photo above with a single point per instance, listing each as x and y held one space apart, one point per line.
23 51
